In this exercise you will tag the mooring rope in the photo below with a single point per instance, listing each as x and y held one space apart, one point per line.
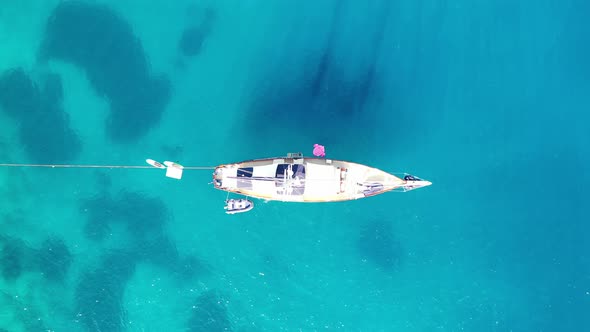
99 166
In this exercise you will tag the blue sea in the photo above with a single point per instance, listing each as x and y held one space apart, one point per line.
488 99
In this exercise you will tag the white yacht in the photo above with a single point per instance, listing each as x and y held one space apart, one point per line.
309 179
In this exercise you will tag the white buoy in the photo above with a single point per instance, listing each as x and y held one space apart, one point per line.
173 170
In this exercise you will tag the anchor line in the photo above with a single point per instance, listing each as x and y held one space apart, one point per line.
97 166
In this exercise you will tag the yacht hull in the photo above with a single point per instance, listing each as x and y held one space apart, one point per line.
302 179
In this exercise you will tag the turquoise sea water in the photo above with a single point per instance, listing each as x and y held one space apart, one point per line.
488 99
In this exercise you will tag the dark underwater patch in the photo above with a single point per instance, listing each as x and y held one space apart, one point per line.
315 101
144 219
54 259
44 127
196 33
318 93
99 294
13 258
98 211
157 249
19 96
192 40
98 40
174 152
161 251
30 319
143 216
209 313
378 245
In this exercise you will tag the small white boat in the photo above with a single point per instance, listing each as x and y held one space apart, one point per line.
155 163
233 206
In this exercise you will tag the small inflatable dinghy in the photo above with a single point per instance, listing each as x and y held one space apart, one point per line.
233 206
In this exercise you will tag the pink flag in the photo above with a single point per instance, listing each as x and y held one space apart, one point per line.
319 150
